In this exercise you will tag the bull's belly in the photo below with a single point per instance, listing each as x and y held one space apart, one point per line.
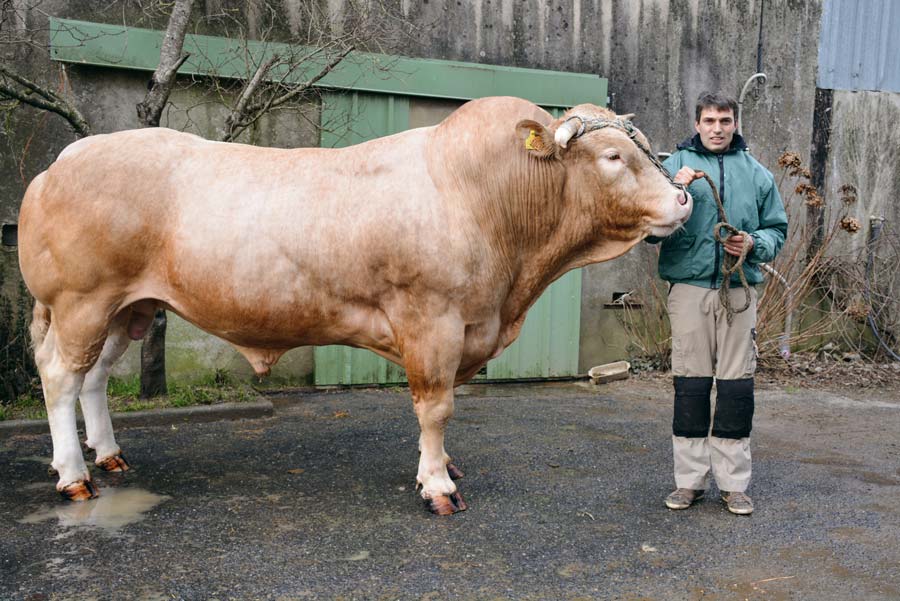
266 302
258 329
286 326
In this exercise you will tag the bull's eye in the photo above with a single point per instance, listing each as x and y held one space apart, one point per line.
613 156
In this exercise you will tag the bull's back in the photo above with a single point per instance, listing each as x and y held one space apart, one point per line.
236 237
310 238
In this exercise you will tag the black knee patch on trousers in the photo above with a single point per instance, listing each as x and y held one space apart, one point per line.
691 417
734 408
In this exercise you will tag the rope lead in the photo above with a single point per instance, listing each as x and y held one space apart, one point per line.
731 263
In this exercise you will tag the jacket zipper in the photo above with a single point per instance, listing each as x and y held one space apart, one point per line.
715 273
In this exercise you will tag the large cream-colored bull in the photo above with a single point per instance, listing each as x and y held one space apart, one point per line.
426 247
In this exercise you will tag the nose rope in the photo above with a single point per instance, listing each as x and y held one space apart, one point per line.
731 264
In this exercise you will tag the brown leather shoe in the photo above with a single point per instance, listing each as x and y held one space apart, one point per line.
682 498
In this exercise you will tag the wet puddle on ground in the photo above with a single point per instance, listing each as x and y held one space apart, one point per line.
112 510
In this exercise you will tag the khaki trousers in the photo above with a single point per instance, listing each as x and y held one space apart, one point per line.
704 346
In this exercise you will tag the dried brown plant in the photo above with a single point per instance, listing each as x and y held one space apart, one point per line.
850 224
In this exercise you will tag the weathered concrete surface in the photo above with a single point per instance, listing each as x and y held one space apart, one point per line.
565 485
867 158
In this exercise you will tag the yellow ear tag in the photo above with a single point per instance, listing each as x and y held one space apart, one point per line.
534 141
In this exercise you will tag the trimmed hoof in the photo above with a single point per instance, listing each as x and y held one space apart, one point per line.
80 491
454 472
446 504
114 463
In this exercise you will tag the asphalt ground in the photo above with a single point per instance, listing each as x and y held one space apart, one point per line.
565 486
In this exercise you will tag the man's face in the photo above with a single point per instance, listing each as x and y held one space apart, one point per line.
716 128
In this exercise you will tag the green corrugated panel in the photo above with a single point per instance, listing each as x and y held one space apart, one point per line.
349 118
134 48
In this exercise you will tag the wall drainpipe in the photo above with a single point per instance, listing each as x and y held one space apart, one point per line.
762 79
784 347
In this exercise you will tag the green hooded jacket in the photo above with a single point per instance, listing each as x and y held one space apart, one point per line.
752 203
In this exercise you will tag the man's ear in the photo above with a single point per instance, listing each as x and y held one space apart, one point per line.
536 139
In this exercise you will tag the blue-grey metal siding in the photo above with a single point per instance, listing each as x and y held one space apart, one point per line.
859 47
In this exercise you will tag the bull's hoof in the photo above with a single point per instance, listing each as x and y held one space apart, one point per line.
114 463
446 504
455 473
80 491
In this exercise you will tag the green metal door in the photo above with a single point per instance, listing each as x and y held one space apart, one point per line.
548 344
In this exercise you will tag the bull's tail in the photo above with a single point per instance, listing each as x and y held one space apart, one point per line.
40 324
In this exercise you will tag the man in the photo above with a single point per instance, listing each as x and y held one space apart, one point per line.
704 344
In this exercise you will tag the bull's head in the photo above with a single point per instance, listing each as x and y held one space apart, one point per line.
611 172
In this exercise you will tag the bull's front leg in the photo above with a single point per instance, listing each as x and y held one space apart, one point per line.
434 410
431 373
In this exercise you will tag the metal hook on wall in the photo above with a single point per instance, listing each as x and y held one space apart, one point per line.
763 78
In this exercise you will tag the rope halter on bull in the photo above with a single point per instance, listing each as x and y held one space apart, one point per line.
575 127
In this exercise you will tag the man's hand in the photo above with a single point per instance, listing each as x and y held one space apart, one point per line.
686 175
734 245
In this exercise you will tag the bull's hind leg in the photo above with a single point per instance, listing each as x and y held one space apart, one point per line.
61 386
68 341
94 407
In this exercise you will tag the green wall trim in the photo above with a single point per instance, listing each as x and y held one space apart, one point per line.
98 44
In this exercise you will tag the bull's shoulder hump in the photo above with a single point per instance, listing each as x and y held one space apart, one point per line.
498 107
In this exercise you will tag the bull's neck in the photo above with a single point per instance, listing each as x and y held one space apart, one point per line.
547 249
525 221
541 237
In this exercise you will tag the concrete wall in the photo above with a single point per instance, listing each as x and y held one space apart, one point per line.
866 154
658 55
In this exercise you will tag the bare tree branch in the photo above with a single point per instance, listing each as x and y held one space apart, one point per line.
40 97
297 90
238 113
246 113
28 84
170 59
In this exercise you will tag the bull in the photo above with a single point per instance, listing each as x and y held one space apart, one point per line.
426 247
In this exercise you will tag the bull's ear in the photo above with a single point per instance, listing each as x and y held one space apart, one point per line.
536 139
628 117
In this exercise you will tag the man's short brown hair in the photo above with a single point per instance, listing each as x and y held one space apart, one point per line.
716 100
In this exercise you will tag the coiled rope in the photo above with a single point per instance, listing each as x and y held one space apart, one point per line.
731 263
